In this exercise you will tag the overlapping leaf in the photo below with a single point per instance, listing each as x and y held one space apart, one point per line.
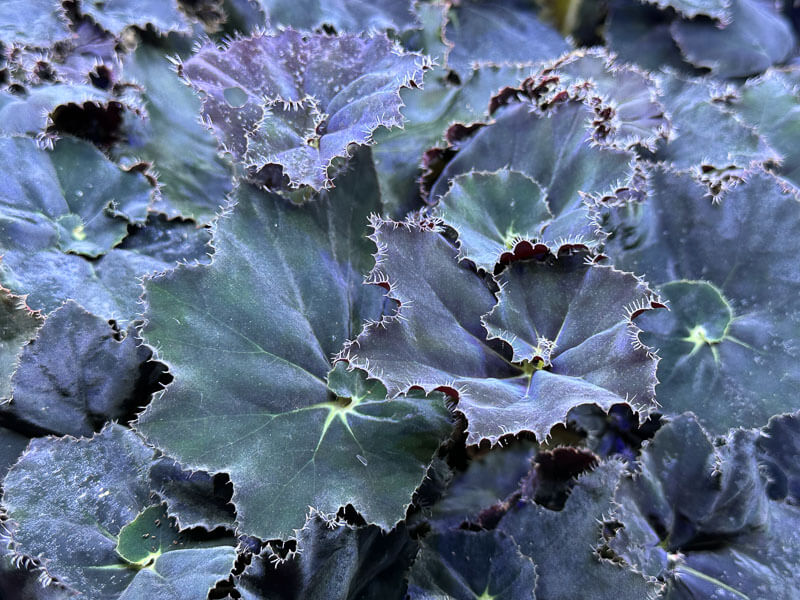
464 565
100 487
33 22
625 98
18 325
282 295
70 202
437 339
716 9
727 268
194 499
564 542
298 101
522 139
116 15
29 113
770 104
490 32
333 561
756 38
343 15
499 214
429 113
694 113
75 376
193 179
778 449
692 490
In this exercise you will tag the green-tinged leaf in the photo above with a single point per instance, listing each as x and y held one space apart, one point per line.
523 139
18 325
436 339
71 502
61 203
636 115
716 9
32 22
778 450
498 32
76 375
756 38
353 16
299 100
148 536
72 199
29 113
194 499
692 489
496 213
770 104
631 26
468 565
729 345
690 103
488 480
429 112
334 561
193 179
116 15
563 543
283 294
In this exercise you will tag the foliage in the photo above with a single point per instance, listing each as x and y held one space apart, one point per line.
397 299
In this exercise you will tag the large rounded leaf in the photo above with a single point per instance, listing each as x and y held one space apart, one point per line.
116 15
82 507
436 339
729 345
298 101
249 340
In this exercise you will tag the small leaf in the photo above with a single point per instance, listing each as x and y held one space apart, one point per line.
496 213
75 376
308 97
468 565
